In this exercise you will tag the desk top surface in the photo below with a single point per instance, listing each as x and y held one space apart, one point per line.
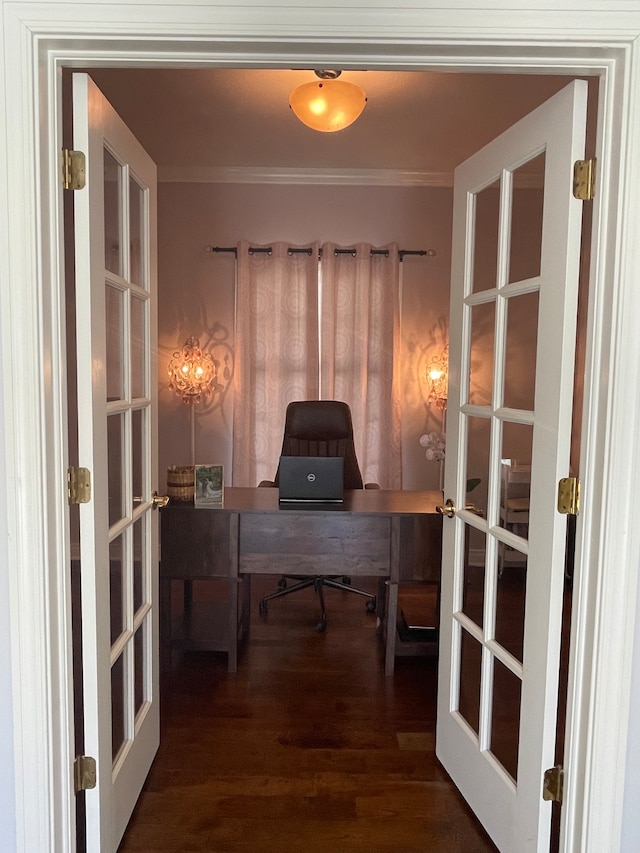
367 501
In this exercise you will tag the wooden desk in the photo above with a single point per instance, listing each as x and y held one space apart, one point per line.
391 535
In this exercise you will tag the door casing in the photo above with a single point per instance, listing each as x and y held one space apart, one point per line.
40 38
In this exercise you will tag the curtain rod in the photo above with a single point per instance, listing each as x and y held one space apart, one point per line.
255 250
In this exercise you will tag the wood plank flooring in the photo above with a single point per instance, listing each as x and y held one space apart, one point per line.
308 747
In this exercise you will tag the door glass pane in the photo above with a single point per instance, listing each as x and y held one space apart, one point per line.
112 213
481 354
526 220
520 351
478 441
139 667
515 477
136 232
474 572
115 444
505 721
469 687
139 563
116 587
485 247
511 600
114 342
117 706
138 347
137 454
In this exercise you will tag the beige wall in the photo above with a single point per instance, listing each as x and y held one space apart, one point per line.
196 297
196 289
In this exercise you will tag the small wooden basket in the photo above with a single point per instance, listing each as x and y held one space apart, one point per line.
180 482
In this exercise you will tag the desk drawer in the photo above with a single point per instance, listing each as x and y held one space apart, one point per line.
309 544
194 542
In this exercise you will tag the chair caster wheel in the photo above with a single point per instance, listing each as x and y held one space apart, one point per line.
371 606
282 584
321 626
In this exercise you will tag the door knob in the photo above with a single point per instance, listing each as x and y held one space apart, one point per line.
474 509
449 509
158 501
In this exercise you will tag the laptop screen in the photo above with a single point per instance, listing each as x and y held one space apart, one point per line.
311 478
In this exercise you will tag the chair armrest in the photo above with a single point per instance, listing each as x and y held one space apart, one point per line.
266 484
371 486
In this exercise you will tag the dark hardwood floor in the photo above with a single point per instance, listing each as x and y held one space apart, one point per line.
308 747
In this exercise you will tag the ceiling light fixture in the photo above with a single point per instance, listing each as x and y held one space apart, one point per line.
329 104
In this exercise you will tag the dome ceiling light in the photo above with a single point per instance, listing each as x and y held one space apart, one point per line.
329 104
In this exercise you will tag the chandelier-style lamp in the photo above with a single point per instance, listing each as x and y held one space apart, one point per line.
192 372
329 104
192 376
437 375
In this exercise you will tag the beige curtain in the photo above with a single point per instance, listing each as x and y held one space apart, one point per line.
359 352
276 352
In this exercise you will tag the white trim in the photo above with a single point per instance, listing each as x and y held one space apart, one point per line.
32 335
324 177
35 422
55 427
604 615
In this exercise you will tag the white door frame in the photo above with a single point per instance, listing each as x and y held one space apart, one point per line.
37 39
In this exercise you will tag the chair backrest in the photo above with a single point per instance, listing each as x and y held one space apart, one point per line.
515 486
322 428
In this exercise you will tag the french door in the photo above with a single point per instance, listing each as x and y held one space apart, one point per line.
516 246
115 254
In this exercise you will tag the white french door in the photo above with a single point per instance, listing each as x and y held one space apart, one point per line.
516 246
115 253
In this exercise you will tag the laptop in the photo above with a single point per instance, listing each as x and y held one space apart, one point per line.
311 479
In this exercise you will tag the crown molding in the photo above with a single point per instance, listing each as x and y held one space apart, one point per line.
319 177
279 175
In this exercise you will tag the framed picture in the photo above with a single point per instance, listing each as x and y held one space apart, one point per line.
209 485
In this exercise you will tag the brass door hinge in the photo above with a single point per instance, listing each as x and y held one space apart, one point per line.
78 485
584 179
569 496
73 169
84 773
553 784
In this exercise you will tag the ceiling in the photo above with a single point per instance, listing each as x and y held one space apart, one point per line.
236 124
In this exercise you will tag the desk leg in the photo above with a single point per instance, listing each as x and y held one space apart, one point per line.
392 597
232 627
188 595
165 624
381 601
234 579
245 605
392 628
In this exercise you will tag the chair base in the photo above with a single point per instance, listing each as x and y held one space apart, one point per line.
318 582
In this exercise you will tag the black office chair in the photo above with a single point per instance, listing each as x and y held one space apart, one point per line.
320 428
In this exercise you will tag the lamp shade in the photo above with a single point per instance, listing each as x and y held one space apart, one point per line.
328 105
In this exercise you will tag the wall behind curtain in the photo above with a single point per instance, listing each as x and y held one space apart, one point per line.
196 289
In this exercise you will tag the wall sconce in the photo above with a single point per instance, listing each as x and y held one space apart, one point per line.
192 372
329 104
437 375
192 375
